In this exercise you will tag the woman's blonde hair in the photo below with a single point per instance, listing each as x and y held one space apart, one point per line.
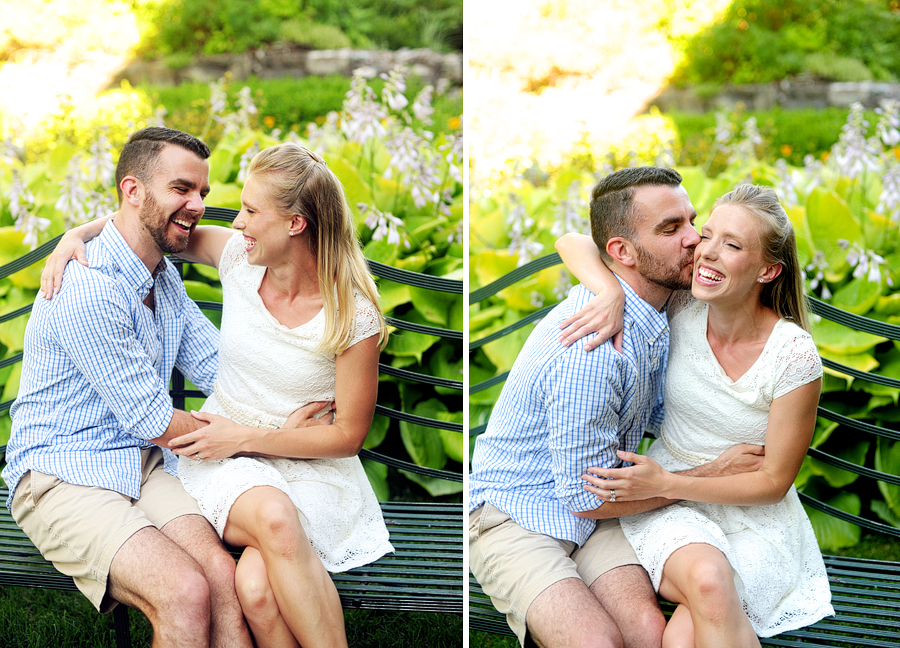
301 183
784 294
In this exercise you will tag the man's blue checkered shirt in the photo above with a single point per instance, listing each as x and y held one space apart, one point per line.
96 369
563 410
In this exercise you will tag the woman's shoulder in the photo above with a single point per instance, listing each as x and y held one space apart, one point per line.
233 254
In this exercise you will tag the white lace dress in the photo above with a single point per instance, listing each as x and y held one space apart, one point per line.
777 565
266 371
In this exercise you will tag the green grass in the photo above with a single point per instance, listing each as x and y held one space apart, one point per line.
873 546
32 618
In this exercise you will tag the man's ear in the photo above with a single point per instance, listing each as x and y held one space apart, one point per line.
622 250
132 191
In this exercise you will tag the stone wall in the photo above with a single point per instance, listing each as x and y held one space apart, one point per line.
276 62
786 94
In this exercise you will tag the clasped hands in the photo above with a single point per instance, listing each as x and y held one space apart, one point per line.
222 437
646 479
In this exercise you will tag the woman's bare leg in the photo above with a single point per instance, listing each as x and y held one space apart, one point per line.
258 603
679 631
699 577
266 519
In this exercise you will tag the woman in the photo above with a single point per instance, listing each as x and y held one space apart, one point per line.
300 326
737 553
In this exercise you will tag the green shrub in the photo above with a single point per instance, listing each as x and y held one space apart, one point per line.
788 134
837 68
306 33
203 26
765 40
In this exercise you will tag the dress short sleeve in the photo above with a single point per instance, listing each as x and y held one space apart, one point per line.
232 254
798 361
367 320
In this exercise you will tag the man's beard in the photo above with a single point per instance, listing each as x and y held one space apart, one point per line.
666 275
157 225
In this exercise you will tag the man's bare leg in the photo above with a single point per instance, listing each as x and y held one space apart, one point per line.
154 575
568 615
628 597
195 535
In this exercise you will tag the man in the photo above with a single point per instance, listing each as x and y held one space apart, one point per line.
91 480
562 578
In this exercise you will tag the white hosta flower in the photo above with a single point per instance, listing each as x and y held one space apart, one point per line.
853 153
99 203
571 212
537 299
100 162
72 196
21 204
725 130
159 117
786 188
889 200
393 90
888 126
383 225
865 263
363 115
521 228
246 158
218 97
422 107
454 156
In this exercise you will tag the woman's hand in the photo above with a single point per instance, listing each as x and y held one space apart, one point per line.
603 314
68 248
644 480
221 438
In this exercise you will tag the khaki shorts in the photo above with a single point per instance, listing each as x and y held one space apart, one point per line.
80 528
514 565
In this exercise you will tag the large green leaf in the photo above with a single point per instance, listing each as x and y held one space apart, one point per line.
12 332
377 431
392 294
435 486
887 460
377 474
453 441
882 510
199 291
11 388
857 296
221 164
224 195
839 339
838 477
829 220
432 305
424 444
831 532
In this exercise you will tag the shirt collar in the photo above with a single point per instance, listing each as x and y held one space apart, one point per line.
654 322
128 263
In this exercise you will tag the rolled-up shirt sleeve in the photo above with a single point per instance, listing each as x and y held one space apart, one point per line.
584 399
104 348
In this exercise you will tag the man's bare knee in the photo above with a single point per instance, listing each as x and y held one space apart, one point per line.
568 614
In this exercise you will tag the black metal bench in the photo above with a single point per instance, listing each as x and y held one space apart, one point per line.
425 574
865 593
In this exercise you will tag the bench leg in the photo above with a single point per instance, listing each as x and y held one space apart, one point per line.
123 631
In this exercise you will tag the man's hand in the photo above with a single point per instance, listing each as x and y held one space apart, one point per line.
738 459
315 413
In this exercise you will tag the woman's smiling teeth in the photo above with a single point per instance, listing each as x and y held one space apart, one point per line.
249 243
710 275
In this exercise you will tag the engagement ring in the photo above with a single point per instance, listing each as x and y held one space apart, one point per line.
612 496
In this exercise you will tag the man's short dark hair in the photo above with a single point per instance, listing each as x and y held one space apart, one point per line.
612 202
141 152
